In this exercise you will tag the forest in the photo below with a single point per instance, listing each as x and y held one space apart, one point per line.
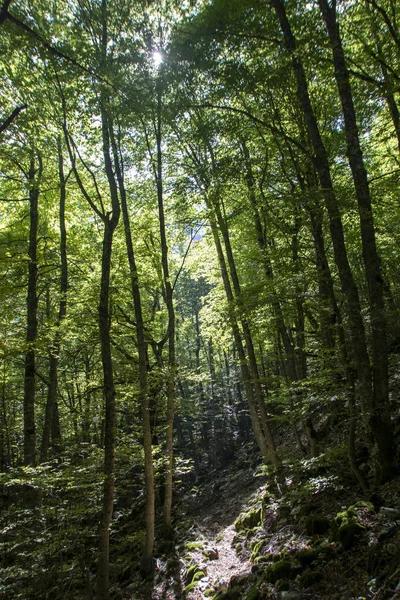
200 299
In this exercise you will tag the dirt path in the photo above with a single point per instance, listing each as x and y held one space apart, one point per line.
213 550
217 559
205 560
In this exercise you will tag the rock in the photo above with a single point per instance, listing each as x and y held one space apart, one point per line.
345 527
308 577
306 556
211 553
391 513
348 532
250 519
283 569
386 531
317 525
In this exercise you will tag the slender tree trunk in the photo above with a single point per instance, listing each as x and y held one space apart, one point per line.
110 221
147 559
32 307
359 356
211 363
380 418
171 331
86 437
252 360
6 455
246 377
51 405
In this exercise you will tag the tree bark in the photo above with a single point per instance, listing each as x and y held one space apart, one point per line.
251 356
147 559
359 356
171 328
110 221
32 325
51 404
379 417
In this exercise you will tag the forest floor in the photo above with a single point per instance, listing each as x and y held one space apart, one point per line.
240 536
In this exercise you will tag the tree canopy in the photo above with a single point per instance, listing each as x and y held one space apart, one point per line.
198 251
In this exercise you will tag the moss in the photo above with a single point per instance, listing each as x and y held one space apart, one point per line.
268 557
327 551
307 556
317 525
345 528
190 587
282 585
254 592
352 510
308 577
194 546
255 551
219 537
191 573
232 594
250 519
251 532
238 548
348 532
280 570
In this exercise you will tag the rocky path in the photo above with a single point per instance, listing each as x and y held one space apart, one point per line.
206 560
217 559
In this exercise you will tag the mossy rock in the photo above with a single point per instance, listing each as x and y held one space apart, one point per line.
348 533
256 548
254 592
317 525
250 519
191 573
352 510
264 558
235 593
239 581
327 551
190 587
307 556
345 528
194 546
282 585
309 577
251 532
283 569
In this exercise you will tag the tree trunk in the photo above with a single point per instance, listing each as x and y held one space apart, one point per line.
171 329
110 221
379 419
51 418
251 356
246 377
359 356
147 559
32 307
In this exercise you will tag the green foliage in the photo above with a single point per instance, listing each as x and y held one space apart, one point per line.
49 527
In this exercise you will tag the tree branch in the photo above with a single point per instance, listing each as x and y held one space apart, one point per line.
13 115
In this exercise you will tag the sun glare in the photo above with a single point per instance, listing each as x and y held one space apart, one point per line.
157 58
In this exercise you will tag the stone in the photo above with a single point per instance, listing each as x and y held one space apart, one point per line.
391 513
283 569
317 525
211 553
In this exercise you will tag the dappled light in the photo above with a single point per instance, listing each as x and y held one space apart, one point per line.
199 293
